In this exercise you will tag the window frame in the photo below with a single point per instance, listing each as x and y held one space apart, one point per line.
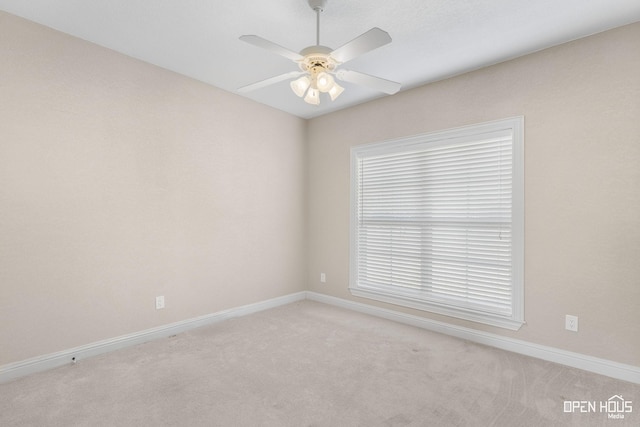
513 124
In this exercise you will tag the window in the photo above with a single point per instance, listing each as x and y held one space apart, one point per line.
437 222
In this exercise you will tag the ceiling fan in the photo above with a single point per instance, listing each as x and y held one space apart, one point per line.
319 64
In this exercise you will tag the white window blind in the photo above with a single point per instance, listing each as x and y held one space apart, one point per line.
434 222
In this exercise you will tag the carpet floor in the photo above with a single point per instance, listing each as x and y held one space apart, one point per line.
311 364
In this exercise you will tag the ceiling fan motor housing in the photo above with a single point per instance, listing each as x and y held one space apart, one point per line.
317 59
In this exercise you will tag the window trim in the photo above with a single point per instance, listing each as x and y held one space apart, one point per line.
516 125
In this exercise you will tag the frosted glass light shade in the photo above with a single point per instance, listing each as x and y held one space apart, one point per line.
325 82
313 96
335 91
299 86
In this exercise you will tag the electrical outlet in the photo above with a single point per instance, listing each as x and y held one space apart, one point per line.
159 302
571 323
323 278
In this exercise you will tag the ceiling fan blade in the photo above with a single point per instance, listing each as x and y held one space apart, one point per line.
382 85
372 39
271 46
269 81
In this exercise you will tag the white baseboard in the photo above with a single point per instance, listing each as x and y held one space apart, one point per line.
576 360
588 363
65 357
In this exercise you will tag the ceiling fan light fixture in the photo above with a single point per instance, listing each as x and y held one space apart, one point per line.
335 91
325 82
300 86
313 96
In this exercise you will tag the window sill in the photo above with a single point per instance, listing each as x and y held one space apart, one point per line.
419 304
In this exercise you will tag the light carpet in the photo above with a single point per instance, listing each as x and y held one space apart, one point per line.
311 364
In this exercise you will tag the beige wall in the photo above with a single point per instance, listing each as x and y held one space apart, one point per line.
581 103
120 181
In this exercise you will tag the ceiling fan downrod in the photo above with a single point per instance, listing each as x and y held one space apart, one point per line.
318 6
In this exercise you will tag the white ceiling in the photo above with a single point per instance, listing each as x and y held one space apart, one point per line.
432 39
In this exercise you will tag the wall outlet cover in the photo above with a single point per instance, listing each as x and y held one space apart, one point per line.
571 323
